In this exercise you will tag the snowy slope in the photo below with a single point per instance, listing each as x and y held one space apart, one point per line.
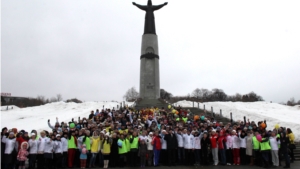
9 107
37 117
274 113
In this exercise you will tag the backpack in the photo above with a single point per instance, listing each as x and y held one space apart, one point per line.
83 151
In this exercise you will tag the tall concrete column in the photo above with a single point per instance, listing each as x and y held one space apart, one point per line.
149 68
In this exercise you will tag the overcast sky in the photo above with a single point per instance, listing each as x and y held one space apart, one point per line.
90 49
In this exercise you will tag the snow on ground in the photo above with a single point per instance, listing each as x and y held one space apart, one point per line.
37 117
274 113
9 107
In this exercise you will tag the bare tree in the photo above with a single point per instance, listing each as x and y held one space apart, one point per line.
291 102
41 98
53 99
59 97
131 94
197 93
238 97
165 95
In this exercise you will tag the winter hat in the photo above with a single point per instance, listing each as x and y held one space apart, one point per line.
57 135
72 125
151 133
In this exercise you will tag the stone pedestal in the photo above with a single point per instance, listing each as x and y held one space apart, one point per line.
149 70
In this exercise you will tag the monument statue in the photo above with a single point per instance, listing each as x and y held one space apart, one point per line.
149 19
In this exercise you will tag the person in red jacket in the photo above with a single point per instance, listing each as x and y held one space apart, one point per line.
222 150
156 147
213 142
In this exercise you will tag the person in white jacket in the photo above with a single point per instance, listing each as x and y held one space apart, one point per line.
58 151
64 142
10 146
150 148
197 147
236 148
181 153
33 144
243 142
274 142
229 149
48 152
188 144
164 154
41 147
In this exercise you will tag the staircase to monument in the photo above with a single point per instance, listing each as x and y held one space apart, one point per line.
217 117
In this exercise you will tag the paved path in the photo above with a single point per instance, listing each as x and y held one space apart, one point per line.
295 165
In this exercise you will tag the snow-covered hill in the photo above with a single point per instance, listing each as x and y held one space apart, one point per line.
37 117
274 113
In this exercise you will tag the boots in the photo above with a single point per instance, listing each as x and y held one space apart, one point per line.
251 161
106 163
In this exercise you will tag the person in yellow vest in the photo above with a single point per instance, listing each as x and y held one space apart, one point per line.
134 145
106 144
256 151
95 147
122 149
126 138
72 146
265 149
292 145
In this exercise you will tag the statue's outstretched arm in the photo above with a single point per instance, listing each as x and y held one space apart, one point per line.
157 7
140 6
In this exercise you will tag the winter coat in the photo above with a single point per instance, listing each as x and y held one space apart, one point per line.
274 142
64 142
221 142
23 153
205 143
142 150
171 141
106 146
229 142
291 136
188 141
179 140
42 144
235 141
33 144
213 141
95 147
58 148
163 142
197 142
49 146
156 142
148 142
10 144
242 141
284 143
249 150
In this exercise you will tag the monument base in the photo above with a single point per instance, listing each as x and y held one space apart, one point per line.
148 103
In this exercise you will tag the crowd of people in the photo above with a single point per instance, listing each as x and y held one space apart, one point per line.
147 137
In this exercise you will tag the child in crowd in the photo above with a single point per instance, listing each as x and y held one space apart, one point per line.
83 156
143 152
22 155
